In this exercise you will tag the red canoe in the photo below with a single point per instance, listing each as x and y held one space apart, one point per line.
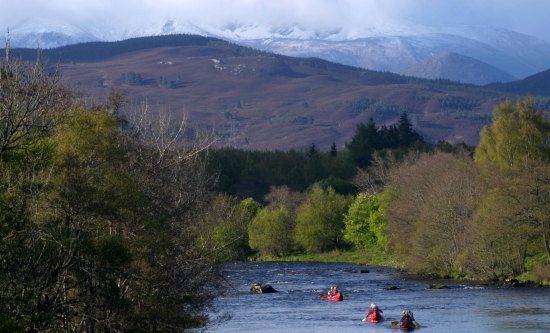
375 317
407 325
337 297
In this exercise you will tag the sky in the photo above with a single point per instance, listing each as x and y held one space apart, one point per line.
525 16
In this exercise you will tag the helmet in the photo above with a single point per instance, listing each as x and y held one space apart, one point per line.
373 305
404 312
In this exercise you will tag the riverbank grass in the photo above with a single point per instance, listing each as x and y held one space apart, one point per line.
369 257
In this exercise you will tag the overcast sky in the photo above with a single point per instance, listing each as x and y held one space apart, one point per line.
525 16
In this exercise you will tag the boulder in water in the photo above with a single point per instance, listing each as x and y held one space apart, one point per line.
438 286
261 288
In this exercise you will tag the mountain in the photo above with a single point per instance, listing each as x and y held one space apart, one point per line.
538 85
47 34
259 100
383 46
393 53
456 67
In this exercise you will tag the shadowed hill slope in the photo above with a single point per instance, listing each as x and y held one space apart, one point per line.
538 85
456 67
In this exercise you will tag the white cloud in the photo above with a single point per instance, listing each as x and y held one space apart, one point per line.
526 16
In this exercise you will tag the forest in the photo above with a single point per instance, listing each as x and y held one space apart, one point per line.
115 218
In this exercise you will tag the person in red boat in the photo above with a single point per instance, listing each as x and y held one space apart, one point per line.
373 308
407 315
374 314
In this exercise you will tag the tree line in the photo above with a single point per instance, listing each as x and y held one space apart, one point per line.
447 212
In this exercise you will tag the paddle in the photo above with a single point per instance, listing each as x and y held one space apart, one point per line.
394 323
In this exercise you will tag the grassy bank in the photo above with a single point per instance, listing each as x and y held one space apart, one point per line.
379 258
371 258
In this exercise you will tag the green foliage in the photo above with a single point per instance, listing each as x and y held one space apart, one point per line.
359 104
366 220
518 132
271 232
456 102
258 170
238 103
365 140
357 221
339 185
319 223
368 138
163 83
131 79
225 227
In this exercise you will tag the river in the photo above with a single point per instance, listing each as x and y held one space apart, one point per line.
297 307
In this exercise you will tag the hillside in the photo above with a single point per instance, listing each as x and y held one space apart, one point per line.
538 85
457 67
258 100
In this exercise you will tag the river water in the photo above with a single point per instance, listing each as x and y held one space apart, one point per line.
297 307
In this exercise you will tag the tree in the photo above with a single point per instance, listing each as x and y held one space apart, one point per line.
312 150
271 232
314 169
407 135
282 196
525 192
500 242
131 78
430 223
224 227
320 220
365 140
333 150
518 132
29 98
366 222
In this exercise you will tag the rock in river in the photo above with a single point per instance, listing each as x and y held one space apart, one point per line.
261 288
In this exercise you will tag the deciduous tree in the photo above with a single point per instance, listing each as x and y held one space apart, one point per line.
320 220
518 132
271 232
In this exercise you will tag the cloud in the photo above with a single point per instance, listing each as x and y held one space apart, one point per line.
526 16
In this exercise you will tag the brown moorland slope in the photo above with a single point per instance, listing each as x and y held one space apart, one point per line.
270 101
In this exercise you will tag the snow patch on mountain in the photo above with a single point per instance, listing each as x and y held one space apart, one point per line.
378 45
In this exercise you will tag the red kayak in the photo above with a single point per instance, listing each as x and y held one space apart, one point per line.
336 297
407 325
375 317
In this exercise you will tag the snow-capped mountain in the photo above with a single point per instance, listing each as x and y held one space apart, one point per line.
48 34
377 45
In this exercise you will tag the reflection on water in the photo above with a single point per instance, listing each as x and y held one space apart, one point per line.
297 307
